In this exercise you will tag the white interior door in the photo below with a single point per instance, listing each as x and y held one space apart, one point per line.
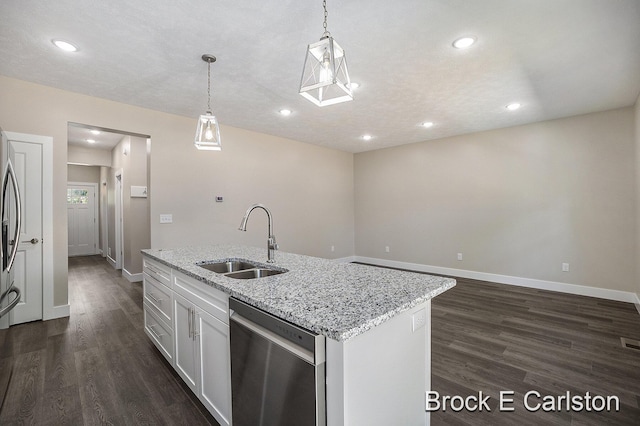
82 209
27 269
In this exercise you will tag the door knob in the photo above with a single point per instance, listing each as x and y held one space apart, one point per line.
32 241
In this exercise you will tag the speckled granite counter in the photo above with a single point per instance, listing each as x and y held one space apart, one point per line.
338 300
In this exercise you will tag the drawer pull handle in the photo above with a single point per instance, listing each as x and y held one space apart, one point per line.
156 271
154 298
155 333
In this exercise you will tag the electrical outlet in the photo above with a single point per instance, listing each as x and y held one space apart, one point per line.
459 256
386 249
333 248
418 319
565 267
166 218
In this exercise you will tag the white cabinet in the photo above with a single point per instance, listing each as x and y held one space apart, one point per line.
184 334
215 366
158 319
201 333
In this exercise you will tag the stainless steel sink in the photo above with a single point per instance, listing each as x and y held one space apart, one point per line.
240 269
254 273
226 266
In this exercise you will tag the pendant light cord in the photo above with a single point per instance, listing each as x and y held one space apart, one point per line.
324 25
209 86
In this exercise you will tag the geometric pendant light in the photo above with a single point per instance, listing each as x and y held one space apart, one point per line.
208 132
325 78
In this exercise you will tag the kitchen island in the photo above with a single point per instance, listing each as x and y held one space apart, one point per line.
376 322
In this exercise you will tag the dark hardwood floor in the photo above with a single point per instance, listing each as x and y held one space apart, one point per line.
492 337
98 366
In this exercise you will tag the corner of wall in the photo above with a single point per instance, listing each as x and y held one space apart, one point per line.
637 142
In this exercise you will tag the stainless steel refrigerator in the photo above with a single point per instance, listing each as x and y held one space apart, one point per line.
11 217
9 294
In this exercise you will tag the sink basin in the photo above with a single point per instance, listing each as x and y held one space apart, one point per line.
254 273
226 266
239 269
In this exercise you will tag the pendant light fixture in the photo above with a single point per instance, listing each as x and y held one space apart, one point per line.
208 132
325 78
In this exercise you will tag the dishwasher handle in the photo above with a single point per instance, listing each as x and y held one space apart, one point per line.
302 353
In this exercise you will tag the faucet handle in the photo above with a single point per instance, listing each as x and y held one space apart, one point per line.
272 243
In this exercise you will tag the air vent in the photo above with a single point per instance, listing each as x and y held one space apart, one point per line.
630 344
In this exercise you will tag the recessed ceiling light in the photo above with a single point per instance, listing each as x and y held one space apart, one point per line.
95 132
91 141
514 106
464 42
427 124
353 85
367 137
285 112
66 46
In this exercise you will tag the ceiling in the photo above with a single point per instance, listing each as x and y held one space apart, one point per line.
80 135
556 58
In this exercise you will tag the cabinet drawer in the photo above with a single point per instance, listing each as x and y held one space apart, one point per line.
157 295
159 333
162 273
204 296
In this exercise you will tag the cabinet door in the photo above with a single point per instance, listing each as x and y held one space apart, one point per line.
215 367
185 353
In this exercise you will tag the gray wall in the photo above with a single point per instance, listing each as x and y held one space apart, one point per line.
517 201
130 155
83 173
91 156
309 188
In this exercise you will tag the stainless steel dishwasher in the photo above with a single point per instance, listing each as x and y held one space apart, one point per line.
277 370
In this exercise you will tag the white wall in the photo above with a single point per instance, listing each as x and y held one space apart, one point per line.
89 156
308 188
516 202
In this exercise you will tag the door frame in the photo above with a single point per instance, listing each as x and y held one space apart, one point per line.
49 310
119 219
96 234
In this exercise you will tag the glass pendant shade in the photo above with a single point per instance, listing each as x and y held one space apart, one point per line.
208 133
325 78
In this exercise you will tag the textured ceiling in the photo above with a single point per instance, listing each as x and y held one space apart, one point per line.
557 58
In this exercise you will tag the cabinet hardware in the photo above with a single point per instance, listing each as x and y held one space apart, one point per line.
190 323
155 333
154 298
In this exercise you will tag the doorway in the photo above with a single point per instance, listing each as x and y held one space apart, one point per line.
82 218
117 162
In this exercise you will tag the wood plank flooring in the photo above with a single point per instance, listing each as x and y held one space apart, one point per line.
97 366
492 337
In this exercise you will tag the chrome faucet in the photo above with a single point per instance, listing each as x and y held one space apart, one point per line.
272 246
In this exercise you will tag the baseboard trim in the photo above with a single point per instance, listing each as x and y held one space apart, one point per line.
602 293
60 311
133 278
348 259
111 261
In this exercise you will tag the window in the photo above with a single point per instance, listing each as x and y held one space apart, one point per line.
77 196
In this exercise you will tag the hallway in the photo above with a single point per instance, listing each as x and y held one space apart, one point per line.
96 367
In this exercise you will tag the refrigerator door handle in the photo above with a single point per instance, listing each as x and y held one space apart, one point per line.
14 302
11 174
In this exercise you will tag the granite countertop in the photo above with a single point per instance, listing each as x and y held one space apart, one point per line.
338 300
